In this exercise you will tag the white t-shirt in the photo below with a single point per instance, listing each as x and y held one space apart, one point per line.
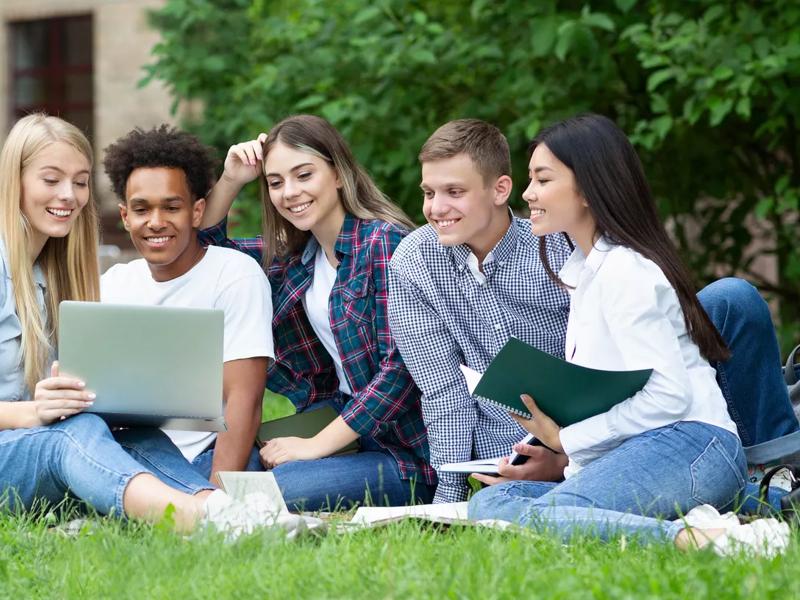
223 279
315 302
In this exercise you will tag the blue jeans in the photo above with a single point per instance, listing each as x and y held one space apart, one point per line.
80 457
751 379
658 475
203 461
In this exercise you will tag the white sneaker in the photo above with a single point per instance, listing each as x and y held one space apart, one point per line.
229 516
239 517
261 507
766 537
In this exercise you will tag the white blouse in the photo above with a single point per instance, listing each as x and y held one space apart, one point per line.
625 315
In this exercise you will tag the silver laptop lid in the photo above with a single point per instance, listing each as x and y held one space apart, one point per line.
149 365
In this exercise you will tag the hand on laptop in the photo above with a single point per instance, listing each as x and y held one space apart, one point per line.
542 465
58 397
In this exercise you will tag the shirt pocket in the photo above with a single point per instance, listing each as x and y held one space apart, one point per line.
359 301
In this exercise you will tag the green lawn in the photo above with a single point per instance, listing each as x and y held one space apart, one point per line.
401 561
111 559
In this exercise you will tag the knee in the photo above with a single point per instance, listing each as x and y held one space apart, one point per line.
732 297
83 427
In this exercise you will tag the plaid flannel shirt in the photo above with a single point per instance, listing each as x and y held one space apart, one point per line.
385 404
442 316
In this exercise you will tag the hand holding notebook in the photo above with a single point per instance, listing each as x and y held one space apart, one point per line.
566 392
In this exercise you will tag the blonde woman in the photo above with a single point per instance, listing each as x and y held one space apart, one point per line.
329 233
50 448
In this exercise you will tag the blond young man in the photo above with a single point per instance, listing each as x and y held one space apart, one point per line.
460 287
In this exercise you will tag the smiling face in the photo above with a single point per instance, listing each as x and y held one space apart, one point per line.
303 188
460 206
55 188
554 200
162 218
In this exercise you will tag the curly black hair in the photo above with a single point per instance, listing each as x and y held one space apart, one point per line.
162 146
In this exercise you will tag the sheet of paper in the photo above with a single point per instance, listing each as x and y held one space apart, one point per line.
484 465
471 376
446 512
238 484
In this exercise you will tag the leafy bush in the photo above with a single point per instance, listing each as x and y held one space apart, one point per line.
708 91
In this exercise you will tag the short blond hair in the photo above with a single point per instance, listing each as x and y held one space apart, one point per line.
484 143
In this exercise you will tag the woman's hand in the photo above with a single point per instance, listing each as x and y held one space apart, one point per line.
58 397
543 427
285 449
243 161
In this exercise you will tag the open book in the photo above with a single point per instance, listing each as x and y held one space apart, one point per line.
566 392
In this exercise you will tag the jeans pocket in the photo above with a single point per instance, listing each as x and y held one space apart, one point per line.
716 479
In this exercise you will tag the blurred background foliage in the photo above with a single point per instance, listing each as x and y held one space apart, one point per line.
708 91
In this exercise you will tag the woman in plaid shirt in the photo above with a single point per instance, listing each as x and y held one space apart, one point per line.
329 233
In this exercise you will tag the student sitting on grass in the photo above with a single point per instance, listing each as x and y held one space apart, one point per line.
461 286
162 177
49 448
670 447
329 233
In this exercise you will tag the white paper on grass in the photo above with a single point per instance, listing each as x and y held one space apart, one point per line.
446 512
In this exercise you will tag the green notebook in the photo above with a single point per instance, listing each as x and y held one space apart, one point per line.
304 424
566 392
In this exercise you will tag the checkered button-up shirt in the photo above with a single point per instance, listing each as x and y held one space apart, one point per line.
441 316
385 404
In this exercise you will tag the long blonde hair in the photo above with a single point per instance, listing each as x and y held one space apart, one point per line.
359 195
69 264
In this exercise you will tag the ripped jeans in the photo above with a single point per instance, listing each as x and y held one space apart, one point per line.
635 489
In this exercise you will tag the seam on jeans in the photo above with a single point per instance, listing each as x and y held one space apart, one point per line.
726 393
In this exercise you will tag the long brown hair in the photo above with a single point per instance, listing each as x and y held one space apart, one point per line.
359 195
609 175
69 264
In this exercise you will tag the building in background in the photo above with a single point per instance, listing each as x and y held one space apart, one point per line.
82 60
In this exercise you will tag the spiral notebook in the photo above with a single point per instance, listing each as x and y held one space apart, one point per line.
566 392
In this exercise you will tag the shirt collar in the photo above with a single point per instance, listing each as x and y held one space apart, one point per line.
571 271
501 253
344 241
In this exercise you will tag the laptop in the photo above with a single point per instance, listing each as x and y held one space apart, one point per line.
151 366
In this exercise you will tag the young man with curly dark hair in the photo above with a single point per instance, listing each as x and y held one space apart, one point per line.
162 176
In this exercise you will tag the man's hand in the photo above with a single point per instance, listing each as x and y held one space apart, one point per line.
280 450
542 465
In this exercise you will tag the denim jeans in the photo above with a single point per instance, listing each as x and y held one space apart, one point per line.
203 462
751 379
80 457
339 482
632 490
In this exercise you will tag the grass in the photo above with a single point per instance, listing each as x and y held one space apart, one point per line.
113 559
406 560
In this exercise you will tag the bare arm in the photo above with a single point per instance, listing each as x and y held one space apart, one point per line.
243 383
334 437
242 165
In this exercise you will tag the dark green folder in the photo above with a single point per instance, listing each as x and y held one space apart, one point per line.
304 424
566 392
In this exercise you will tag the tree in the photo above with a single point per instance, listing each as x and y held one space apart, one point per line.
708 91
